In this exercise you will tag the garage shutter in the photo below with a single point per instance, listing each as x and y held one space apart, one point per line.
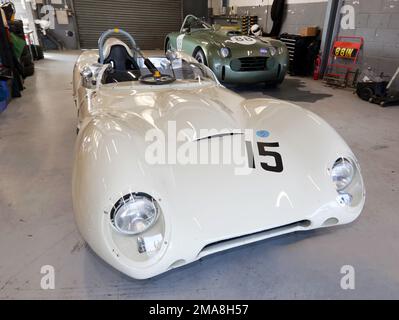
148 21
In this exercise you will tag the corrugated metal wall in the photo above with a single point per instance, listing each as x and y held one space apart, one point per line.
148 21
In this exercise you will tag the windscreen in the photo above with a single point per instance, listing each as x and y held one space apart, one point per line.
193 23
179 69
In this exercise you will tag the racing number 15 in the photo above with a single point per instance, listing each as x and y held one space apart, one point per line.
263 149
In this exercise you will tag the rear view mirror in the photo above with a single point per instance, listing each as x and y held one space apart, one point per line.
87 76
171 55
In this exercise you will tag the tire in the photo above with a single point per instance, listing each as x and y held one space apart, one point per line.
272 84
37 52
26 61
17 27
168 46
29 70
199 55
34 52
366 93
26 58
25 51
40 54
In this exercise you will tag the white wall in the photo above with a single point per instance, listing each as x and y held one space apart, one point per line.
247 3
300 13
216 5
24 13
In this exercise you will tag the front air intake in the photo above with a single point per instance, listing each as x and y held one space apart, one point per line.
253 237
249 64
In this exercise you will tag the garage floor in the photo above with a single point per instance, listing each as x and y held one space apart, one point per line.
37 228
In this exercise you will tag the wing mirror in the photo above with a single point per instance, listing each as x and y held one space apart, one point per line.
89 74
186 30
86 73
171 55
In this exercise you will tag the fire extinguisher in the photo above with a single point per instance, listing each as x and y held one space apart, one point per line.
317 64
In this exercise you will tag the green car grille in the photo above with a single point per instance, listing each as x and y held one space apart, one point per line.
249 64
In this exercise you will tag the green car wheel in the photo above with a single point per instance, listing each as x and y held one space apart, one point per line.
168 46
199 55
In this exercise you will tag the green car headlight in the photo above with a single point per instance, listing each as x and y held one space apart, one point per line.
225 52
276 51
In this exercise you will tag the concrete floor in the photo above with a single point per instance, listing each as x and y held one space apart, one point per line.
37 228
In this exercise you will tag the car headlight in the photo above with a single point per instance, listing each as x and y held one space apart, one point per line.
342 173
273 51
135 213
225 52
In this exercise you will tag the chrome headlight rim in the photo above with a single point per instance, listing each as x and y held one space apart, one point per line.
131 199
225 52
343 182
273 51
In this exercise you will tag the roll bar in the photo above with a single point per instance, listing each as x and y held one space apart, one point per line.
106 34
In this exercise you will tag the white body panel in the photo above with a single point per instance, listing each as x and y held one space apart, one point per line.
206 208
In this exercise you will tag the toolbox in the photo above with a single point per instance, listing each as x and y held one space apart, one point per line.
302 53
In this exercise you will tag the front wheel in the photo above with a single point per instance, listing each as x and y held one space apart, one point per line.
168 46
199 55
366 93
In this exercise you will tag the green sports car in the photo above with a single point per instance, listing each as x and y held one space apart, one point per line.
233 57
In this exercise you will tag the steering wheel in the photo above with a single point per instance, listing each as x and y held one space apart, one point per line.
157 80
106 34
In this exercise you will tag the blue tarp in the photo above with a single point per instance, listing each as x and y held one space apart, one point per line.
4 95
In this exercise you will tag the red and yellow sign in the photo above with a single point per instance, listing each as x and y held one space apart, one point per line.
346 49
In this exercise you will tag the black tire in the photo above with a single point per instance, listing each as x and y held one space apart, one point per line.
37 52
25 51
26 58
40 54
26 61
17 27
199 55
366 93
168 46
272 84
34 52
29 70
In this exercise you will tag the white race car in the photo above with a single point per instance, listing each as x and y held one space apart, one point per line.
146 208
